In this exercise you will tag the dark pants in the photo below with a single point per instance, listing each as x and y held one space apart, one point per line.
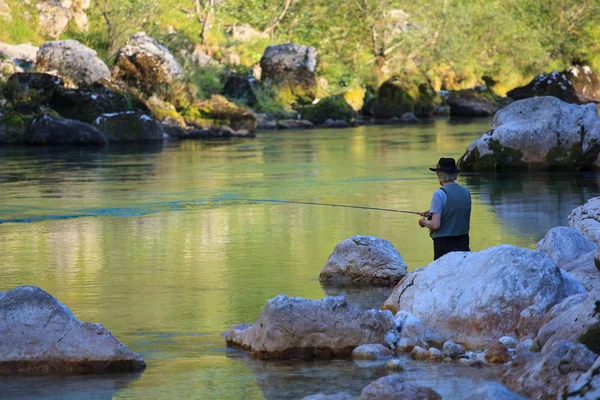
445 245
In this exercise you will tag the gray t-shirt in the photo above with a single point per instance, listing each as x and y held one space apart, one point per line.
438 201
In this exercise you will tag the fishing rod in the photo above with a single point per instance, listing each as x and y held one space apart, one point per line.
329 205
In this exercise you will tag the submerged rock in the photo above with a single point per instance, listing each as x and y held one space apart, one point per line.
306 329
50 130
547 374
539 133
476 102
577 84
73 61
395 387
38 334
576 321
290 70
586 219
146 64
494 391
366 260
474 298
564 245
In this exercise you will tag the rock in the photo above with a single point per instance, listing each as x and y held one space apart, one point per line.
364 259
31 88
41 335
523 347
88 104
435 354
510 342
371 352
396 365
587 387
332 107
290 69
201 59
306 329
53 19
576 84
146 64
217 112
244 33
394 387
129 126
453 350
412 332
50 130
474 298
409 118
5 11
240 88
165 112
497 353
578 323
493 391
73 61
24 55
564 245
263 121
338 123
294 124
586 219
476 102
585 270
397 97
544 375
539 133
419 353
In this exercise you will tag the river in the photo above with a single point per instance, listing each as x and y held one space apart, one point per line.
155 244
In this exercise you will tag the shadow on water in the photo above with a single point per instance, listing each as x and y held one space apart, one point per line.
293 379
97 387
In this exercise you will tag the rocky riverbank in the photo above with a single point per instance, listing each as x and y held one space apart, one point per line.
535 312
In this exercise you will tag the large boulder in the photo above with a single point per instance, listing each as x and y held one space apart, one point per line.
564 245
73 61
55 15
217 112
576 84
306 329
395 387
476 102
290 70
586 219
547 374
412 332
398 96
38 334
31 88
129 126
24 55
587 387
332 107
366 260
585 269
50 130
474 298
538 133
147 64
240 88
579 323
493 391
244 33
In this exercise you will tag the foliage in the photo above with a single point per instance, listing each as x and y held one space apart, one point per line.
208 81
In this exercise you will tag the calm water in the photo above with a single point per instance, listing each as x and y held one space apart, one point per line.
154 244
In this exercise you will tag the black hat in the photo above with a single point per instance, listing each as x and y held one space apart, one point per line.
446 165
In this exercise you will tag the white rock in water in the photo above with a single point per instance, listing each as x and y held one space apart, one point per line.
292 327
371 352
322 396
364 259
395 387
38 334
586 219
509 341
563 245
493 391
475 298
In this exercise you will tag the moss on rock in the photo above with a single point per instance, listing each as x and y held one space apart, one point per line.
333 107
217 112
398 96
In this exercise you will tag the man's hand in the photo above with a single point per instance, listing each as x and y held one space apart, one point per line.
423 222
426 214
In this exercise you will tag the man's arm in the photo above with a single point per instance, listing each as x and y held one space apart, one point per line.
433 224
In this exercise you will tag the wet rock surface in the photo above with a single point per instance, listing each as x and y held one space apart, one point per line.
307 329
40 335
476 102
539 133
364 260
394 387
129 126
50 130
475 298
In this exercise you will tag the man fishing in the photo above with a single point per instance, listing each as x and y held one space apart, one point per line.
449 216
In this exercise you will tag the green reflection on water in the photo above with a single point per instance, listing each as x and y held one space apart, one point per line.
153 244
